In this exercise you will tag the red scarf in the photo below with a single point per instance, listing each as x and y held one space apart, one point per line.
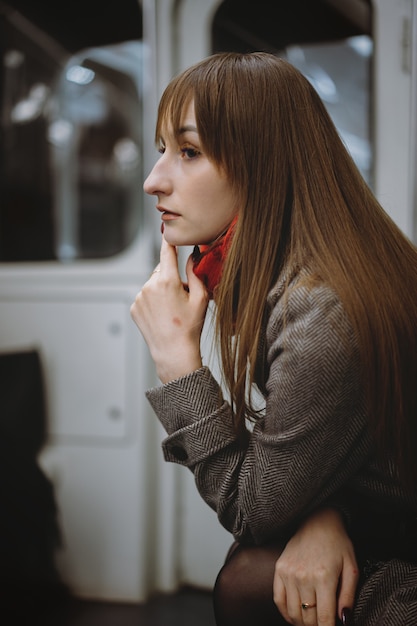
209 259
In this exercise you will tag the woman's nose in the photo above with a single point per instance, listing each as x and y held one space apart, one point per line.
157 181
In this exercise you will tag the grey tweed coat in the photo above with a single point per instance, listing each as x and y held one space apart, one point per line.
310 447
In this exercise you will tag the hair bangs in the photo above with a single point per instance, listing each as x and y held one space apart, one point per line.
174 101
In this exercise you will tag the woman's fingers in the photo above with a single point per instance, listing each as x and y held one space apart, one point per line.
280 594
170 317
299 598
168 261
302 606
348 583
196 287
317 567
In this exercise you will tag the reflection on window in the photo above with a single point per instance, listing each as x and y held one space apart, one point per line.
70 148
339 71
329 42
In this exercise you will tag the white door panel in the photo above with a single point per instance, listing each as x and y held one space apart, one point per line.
83 348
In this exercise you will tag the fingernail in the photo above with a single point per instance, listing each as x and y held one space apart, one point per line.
347 617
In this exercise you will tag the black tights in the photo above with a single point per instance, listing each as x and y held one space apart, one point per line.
243 594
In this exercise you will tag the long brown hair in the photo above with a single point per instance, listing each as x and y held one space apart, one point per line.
302 197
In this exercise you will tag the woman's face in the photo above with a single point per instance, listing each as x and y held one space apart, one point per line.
194 197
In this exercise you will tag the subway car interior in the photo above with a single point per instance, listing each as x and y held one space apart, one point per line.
95 529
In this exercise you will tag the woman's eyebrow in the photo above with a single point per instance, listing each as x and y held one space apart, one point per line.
188 128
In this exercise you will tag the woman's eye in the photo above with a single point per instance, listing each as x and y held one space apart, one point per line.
190 153
161 149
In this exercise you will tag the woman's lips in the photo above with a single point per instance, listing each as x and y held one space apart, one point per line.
169 215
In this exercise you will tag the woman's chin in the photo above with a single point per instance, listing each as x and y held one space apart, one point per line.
177 241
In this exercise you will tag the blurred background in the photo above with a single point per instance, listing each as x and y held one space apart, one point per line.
87 500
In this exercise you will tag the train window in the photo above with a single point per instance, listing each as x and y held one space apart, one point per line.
70 133
345 93
330 41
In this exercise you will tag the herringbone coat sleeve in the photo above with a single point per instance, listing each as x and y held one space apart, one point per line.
312 438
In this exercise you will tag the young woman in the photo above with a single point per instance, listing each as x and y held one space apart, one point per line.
315 293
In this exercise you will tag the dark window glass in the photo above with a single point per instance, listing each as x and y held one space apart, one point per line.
70 131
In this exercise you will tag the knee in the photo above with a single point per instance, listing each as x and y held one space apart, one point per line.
231 591
232 579
248 572
243 591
